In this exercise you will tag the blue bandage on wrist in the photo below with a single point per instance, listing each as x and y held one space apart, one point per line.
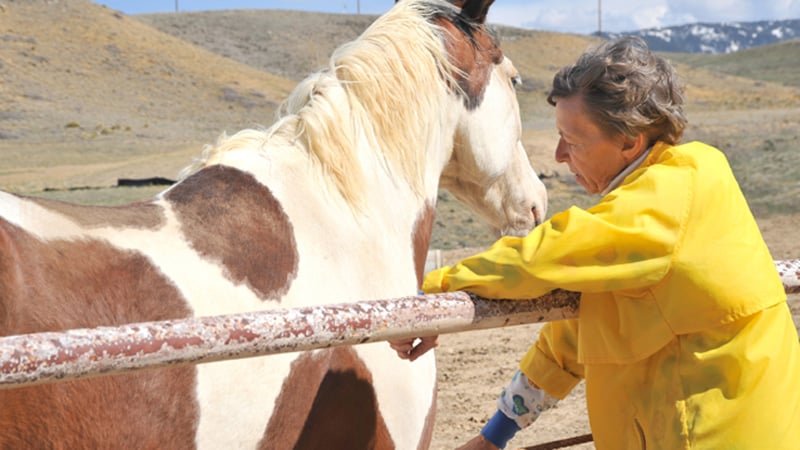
500 429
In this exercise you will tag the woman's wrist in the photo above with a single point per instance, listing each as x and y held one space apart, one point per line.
500 429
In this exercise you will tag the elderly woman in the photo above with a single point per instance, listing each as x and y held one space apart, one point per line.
684 337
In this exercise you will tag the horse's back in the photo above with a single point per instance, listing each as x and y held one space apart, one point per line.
95 268
147 410
51 285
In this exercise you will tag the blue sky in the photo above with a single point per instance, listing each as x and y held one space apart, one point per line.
574 16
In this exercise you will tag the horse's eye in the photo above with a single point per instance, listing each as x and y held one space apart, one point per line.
516 80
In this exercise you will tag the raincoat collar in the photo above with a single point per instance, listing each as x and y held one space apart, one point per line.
617 181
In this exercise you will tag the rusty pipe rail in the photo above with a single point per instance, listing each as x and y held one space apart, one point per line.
50 356
789 271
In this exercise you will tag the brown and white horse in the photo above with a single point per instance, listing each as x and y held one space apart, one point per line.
333 203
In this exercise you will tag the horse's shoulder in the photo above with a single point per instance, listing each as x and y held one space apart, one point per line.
230 217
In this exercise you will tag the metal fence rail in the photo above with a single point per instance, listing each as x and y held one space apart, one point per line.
51 356
43 357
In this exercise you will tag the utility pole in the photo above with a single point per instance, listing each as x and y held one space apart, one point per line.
600 18
176 5
358 6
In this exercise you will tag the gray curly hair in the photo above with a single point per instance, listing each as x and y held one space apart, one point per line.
626 89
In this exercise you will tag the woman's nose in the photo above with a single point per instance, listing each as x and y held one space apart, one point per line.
561 152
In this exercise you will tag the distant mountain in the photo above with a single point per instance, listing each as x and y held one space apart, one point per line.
715 37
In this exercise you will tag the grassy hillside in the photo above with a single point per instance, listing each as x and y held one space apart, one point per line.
294 44
777 63
74 59
283 42
88 91
103 95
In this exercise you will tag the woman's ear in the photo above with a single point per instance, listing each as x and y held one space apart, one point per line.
633 148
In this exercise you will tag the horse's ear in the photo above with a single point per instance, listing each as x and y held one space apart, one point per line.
476 9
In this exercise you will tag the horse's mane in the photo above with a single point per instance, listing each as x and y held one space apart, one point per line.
388 83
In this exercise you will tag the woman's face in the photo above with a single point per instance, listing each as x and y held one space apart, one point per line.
593 155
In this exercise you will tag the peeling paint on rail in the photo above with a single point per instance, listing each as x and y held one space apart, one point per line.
789 272
47 357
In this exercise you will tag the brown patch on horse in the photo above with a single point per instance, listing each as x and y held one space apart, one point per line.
145 215
474 51
228 216
423 229
327 401
58 285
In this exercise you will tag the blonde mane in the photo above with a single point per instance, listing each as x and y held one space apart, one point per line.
394 78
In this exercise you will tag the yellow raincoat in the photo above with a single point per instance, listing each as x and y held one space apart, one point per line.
684 337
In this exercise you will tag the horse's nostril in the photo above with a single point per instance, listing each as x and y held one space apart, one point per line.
537 215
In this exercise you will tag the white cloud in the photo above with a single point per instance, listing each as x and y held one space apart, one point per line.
649 16
580 16
547 15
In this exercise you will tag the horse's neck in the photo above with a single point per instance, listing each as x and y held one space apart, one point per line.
387 203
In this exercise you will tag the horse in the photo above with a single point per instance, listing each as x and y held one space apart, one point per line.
334 202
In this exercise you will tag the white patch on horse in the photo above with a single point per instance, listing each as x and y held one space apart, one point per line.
11 207
37 220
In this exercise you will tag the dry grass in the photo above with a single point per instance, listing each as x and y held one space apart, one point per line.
103 95
776 63
87 90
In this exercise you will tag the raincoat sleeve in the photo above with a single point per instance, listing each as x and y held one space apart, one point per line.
552 362
624 242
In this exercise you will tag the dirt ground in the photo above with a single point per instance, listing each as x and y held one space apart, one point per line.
474 366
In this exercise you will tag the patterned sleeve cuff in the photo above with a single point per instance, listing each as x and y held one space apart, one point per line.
523 403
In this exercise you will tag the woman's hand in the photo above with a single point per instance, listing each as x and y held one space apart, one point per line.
413 348
478 443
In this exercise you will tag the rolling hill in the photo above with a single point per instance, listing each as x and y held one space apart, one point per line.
77 62
87 92
777 63
293 44
90 94
715 38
